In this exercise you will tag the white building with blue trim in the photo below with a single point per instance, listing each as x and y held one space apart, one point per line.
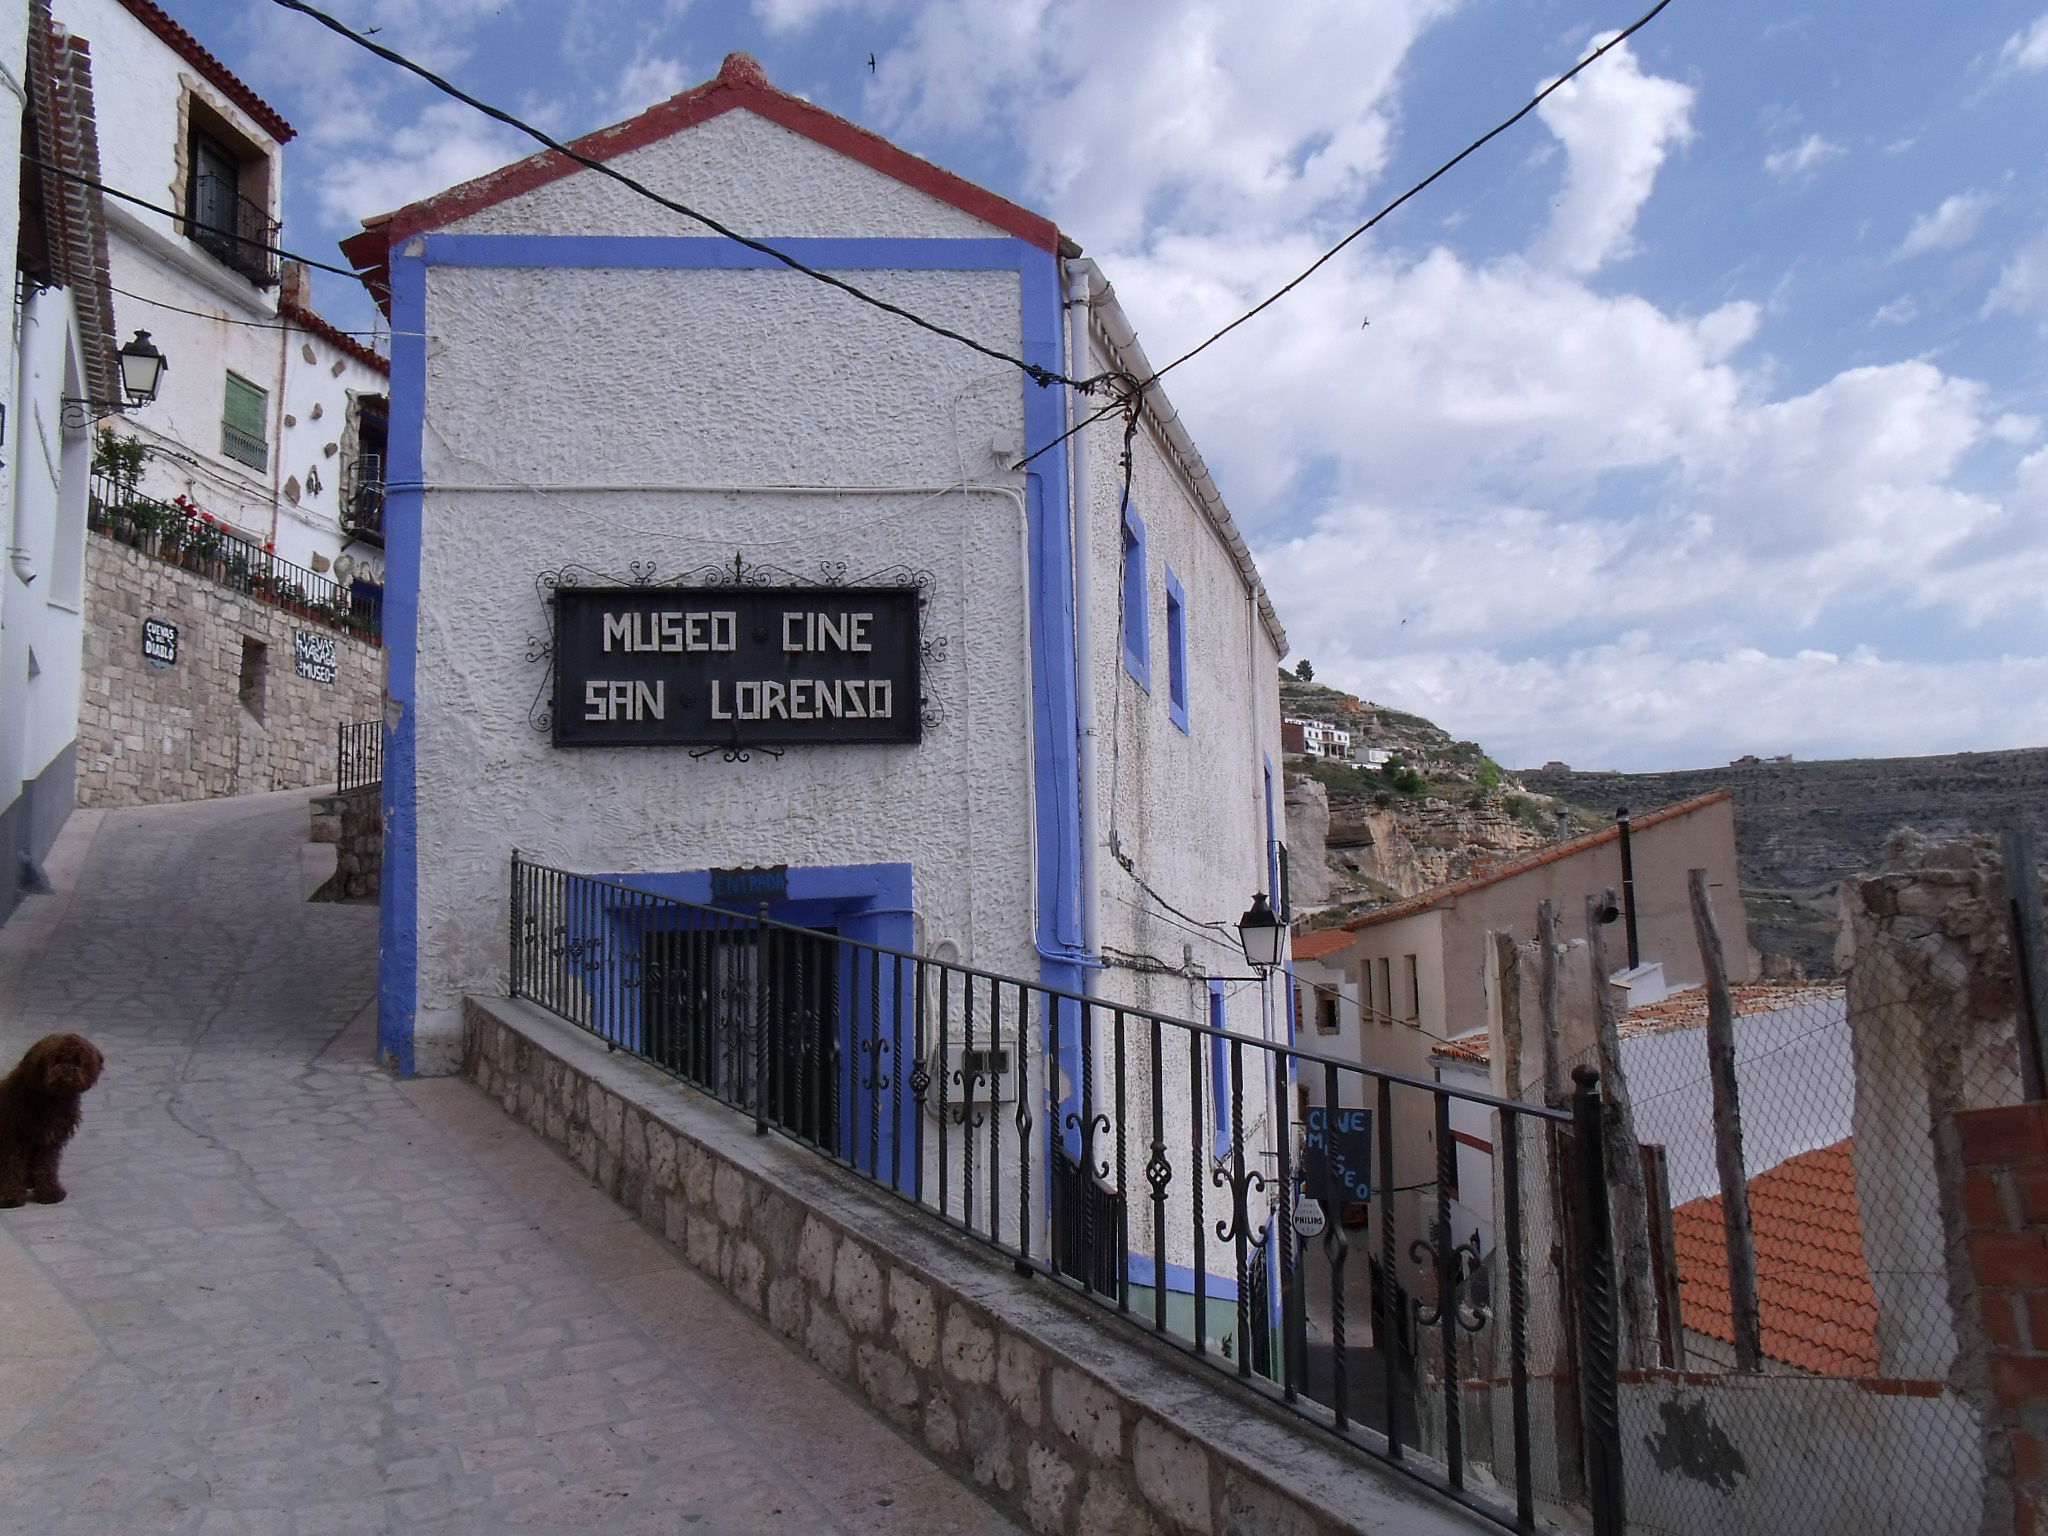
590 392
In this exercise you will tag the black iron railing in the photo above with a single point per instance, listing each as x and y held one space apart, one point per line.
233 228
358 754
1171 1171
362 511
182 535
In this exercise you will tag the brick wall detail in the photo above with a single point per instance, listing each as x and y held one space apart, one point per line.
150 734
2005 1210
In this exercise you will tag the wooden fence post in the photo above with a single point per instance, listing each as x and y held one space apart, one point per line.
1728 1131
1624 1161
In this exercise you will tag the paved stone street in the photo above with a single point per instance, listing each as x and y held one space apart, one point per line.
290 1294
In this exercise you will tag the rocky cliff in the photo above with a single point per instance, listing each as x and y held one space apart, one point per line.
1803 828
1437 810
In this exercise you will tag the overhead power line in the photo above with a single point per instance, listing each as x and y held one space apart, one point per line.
1485 138
186 219
200 314
1038 374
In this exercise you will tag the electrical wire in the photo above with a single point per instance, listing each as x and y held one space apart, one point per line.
200 314
171 213
1492 133
1037 374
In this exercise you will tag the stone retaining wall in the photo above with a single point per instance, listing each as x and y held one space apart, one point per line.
354 822
1072 1421
150 733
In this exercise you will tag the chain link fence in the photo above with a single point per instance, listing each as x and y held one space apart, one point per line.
1798 1346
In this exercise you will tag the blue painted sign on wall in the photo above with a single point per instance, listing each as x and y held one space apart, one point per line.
1337 1153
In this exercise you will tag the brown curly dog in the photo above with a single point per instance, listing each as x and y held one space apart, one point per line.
39 1112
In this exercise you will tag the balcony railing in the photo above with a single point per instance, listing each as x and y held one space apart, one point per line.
358 754
362 505
1209 1186
180 534
233 228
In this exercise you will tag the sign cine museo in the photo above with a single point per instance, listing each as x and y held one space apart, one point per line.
708 666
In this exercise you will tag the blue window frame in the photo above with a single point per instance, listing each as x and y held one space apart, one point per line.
1137 629
1176 650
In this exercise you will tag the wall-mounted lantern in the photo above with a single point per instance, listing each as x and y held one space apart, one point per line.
1260 932
142 369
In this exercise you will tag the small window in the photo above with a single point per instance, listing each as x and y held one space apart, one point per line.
1326 1014
242 419
1386 968
250 685
226 190
1137 632
1412 983
1176 650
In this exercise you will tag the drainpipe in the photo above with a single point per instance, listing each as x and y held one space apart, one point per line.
1628 888
1081 277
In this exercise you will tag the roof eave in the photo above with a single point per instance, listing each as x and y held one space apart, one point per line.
740 83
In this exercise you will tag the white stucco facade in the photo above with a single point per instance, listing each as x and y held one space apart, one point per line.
1053 816
209 318
43 472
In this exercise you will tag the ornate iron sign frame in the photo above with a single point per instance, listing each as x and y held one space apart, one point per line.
742 575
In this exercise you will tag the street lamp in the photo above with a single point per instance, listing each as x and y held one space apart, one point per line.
1260 931
142 369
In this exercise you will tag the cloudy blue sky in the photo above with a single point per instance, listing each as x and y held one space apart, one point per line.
1706 414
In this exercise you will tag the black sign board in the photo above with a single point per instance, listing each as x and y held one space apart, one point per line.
314 656
159 642
770 883
1337 1157
709 666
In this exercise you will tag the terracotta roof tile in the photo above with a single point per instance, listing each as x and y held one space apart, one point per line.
309 319
1688 1009
1815 1303
1446 895
1318 942
1475 1048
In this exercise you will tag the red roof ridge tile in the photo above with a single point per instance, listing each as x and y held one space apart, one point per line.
189 48
740 82
1444 895
310 320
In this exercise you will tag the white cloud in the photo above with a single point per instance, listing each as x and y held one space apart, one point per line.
1807 155
1205 115
1617 124
448 143
648 79
2022 287
1952 224
2028 49
1897 312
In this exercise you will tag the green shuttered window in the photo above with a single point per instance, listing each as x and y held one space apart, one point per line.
241 423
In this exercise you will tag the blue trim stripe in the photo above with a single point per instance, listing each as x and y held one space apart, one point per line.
1180 1279
663 252
398 908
